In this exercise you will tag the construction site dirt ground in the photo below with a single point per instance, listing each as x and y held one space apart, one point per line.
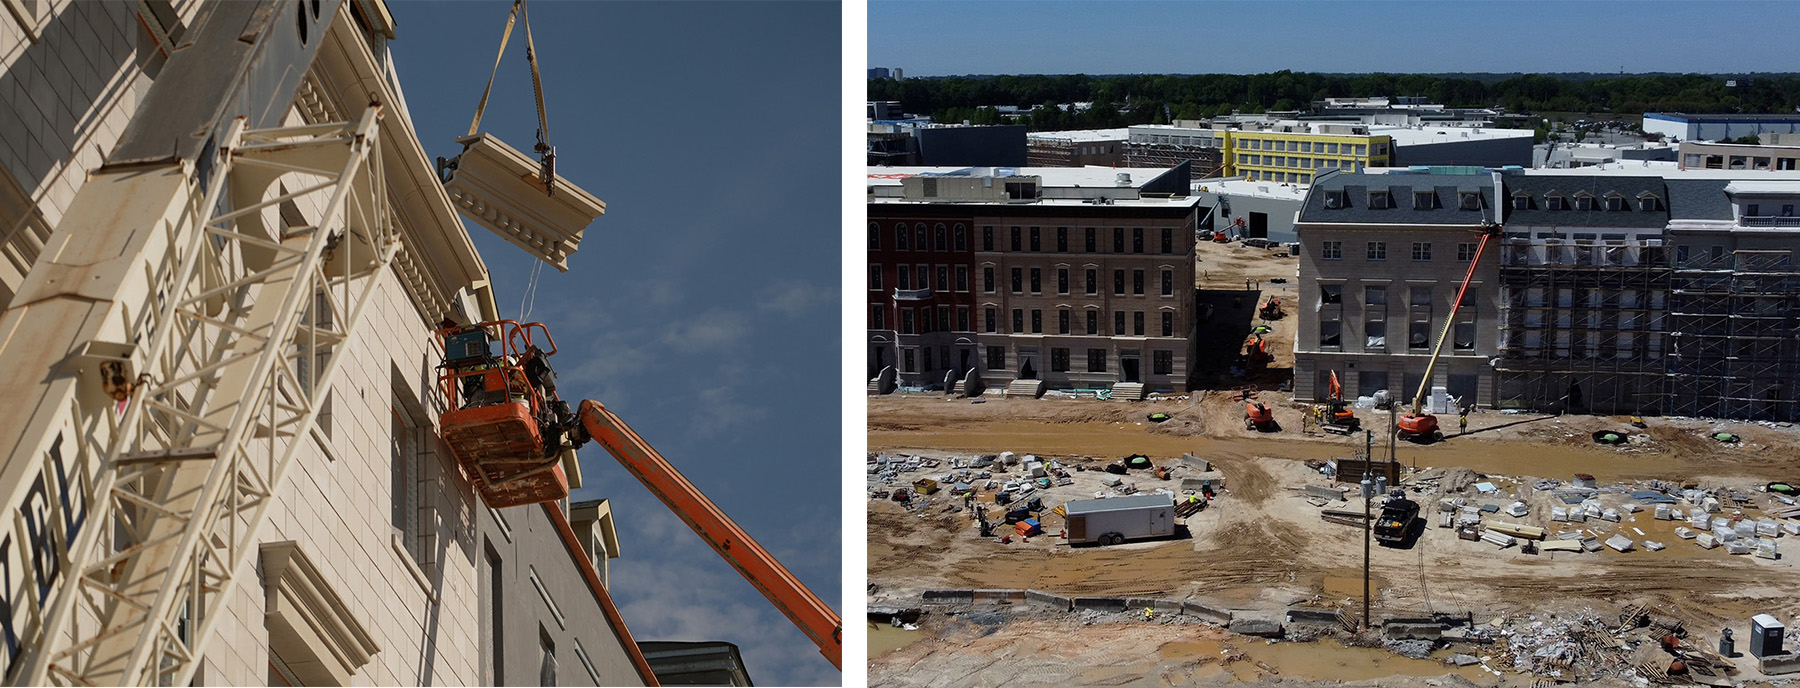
1262 548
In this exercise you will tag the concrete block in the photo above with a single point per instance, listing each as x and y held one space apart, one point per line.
949 596
1218 616
1173 606
1303 615
998 596
1105 604
1413 631
1776 665
1258 627
1057 601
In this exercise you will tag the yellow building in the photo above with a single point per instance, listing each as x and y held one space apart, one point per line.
1293 156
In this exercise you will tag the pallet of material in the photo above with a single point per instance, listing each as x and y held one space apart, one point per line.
1517 530
1560 546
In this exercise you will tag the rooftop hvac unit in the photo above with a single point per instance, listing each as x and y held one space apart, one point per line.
1123 179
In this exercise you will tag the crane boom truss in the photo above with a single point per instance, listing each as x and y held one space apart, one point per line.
240 339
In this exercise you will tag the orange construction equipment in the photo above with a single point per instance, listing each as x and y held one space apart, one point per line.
1258 416
787 593
504 420
1256 353
1336 416
1419 424
1271 309
507 427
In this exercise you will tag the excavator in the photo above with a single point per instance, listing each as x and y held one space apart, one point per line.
1335 416
1418 424
512 435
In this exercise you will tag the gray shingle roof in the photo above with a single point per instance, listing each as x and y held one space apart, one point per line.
1539 188
1445 189
1699 199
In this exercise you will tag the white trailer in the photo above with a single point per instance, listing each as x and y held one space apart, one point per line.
1112 521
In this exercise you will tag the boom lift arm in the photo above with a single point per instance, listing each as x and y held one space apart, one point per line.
786 592
1417 422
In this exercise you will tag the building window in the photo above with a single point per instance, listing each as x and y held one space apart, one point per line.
1375 332
1062 280
1137 323
1137 282
1375 296
1334 199
1092 247
1137 240
1521 202
943 318
921 277
907 358
1062 239
1118 282
1469 200
1463 338
941 240
943 278
1018 321
1059 360
989 315
1584 202
1168 324
987 238
1420 296
1162 362
1168 241
1331 250
926 352
901 242
987 279
1556 202
874 278
1062 321
546 658
1421 251
1418 335
1330 333
996 356
919 237
962 278
1378 199
877 317
1018 280
1036 246
1093 321
1037 280
1615 203
1424 200
1465 252
1330 294
962 238
1096 360
1093 281
1118 240
1119 323
1168 283
1018 243
874 236
1377 250
1037 321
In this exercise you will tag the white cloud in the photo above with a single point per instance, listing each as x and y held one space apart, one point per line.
798 299
712 331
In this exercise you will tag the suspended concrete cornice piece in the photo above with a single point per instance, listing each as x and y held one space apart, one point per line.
499 188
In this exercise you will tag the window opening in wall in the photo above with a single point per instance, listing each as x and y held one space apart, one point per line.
1036 245
1418 335
1168 240
493 626
1421 251
1037 280
1118 240
1062 321
1018 280
1118 282
1168 283
1059 360
1093 281
1331 293
1470 200
990 316
877 317
1331 250
407 474
1018 242
1093 322
1037 321
1118 322
1096 360
940 241
1377 250
1092 246
1018 321
546 658
1162 362
962 238
996 358
1137 282
875 278
1137 240
1330 333
987 238
1168 324
987 279
1375 335
1137 323
1375 296
1062 280
874 236
1062 239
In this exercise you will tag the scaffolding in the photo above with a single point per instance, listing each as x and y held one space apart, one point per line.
1583 326
1207 162
1734 352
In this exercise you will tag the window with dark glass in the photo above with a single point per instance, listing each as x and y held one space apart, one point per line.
906 321
1035 245
1018 280
943 278
1168 283
1168 328
1037 280
875 278
1137 282
987 238
1168 240
1062 321
987 279
990 317
1018 321
1062 280
962 238
1093 281
874 236
1096 360
877 318
901 242
996 358
962 278
1137 240
1093 321
919 237
1118 282
1118 322
1062 239
1059 360
1037 321
941 240
1137 323
1118 240
1162 362
1017 243
1092 247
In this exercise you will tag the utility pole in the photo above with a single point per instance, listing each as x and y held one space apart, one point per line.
1368 492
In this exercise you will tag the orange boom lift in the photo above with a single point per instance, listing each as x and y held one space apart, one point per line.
512 433
1419 424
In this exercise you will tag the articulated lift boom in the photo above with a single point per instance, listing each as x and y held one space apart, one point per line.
1418 423
786 592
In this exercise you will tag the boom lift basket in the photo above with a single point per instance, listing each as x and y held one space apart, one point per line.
499 408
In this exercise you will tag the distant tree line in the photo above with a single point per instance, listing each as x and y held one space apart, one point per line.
1156 99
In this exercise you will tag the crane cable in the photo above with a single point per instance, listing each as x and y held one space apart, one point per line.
546 152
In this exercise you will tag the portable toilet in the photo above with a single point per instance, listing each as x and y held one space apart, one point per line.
1765 635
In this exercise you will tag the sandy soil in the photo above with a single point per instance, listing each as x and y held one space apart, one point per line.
1262 547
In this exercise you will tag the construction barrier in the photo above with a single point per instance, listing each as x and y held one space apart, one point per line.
999 596
1218 616
1324 616
1257 627
1056 601
1774 665
1172 606
949 596
1106 604
1411 631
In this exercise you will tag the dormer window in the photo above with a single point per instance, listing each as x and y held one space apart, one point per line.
1615 202
1424 200
1379 199
1521 201
1555 201
1584 201
1648 202
1470 200
1335 199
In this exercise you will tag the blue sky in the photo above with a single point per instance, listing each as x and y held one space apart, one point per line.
950 38
704 306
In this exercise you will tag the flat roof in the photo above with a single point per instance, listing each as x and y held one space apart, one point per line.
1245 188
1094 506
1714 119
1083 135
1414 136
1052 176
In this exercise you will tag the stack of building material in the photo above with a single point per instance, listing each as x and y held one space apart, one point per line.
1653 545
1685 533
1766 549
1518 509
1497 538
1619 543
1517 530
1663 512
1706 541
